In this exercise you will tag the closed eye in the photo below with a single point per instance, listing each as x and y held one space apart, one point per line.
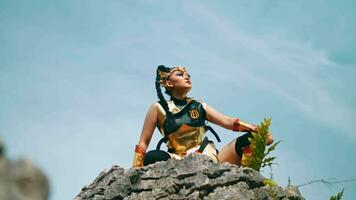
182 74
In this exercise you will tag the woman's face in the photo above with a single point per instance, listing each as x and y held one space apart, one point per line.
179 80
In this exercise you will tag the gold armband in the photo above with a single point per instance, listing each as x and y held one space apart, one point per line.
138 157
240 125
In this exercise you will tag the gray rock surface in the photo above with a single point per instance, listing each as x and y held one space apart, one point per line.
195 177
21 179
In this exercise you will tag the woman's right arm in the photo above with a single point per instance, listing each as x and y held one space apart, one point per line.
146 135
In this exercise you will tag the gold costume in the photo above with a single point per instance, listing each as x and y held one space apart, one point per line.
186 139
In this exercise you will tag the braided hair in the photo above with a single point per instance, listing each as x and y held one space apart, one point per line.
162 68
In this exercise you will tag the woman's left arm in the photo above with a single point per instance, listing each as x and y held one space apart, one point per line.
230 123
227 122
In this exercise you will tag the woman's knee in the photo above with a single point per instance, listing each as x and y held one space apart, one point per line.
242 142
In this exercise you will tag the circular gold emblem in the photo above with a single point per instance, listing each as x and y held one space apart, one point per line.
194 114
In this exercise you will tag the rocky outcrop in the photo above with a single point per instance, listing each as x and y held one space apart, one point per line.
21 179
195 177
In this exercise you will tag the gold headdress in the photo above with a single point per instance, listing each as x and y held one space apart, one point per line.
164 75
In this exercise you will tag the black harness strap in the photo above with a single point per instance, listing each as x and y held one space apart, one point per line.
213 132
206 141
164 139
202 145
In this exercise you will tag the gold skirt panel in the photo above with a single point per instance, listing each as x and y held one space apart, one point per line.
184 138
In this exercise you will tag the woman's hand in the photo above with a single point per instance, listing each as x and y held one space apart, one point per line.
269 135
269 138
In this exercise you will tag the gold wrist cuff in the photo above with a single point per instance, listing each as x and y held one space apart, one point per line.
137 160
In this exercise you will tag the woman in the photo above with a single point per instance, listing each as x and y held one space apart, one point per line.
182 123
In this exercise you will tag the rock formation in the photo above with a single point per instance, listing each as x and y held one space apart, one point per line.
21 179
195 177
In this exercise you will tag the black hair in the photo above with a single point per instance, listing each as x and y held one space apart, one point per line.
163 101
168 92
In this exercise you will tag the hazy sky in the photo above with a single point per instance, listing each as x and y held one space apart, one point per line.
77 78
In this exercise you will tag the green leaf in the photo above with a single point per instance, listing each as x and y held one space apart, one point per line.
258 146
338 195
272 147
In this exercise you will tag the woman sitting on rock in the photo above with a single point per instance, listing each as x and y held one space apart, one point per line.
182 123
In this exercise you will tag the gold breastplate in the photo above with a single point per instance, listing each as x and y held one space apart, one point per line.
185 137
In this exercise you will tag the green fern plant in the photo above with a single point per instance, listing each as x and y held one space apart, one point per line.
258 158
338 195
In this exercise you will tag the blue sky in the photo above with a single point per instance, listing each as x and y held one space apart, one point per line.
77 77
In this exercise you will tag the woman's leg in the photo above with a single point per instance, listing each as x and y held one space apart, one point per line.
232 152
228 154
